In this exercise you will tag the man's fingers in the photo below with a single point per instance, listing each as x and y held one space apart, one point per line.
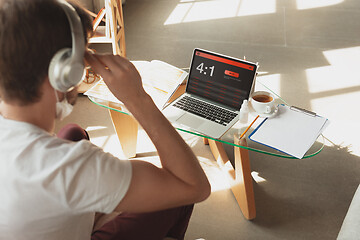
112 61
97 65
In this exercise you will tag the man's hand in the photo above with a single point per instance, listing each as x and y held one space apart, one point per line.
120 75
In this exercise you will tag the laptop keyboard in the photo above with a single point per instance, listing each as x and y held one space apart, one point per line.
205 110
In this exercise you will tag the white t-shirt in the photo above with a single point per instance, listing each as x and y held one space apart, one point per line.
50 188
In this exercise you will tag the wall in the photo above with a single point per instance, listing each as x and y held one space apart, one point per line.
93 5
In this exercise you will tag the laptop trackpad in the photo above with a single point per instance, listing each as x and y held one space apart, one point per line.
190 121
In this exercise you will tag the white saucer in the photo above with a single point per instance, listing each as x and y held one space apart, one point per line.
263 115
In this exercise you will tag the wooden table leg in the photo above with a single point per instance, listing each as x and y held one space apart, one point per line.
240 177
126 128
243 184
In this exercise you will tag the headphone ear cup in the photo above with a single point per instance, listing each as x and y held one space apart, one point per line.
64 72
66 68
56 69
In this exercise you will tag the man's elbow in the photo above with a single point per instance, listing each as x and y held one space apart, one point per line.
203 191
207 191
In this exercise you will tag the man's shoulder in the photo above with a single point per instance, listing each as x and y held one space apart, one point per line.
35 143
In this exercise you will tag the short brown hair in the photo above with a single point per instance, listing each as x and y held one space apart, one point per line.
31 32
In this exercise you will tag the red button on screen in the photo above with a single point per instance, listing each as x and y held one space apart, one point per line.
230 73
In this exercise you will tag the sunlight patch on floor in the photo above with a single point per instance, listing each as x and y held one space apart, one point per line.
96 137
341 110
342 73
256 7
217 179
192 11
309 4
257 178
335 93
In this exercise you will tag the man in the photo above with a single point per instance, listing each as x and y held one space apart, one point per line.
51 187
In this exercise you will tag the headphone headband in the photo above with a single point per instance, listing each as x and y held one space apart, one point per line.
67 66
78 47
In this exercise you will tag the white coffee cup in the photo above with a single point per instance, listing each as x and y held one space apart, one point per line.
263 102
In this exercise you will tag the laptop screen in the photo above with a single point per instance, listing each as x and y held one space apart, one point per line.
220 78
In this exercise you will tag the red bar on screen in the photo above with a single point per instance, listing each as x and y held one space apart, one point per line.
224 60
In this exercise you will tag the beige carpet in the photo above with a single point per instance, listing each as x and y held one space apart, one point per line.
309 52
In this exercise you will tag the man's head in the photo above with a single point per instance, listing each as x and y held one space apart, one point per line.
31 32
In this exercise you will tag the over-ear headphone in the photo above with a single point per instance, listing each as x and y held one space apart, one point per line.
66 68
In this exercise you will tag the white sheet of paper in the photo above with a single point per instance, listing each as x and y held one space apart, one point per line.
290 131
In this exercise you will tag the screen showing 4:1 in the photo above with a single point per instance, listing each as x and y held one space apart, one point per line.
203 69
220 79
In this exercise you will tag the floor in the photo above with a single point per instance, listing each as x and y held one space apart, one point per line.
308 53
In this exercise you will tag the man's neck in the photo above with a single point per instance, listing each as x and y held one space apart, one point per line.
41 113
34 114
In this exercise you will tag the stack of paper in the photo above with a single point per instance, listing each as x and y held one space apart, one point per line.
292 132
159 79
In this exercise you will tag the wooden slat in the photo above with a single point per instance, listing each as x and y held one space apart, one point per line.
126 128
242 186
239 178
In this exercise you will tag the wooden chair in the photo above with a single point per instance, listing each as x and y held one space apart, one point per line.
113 31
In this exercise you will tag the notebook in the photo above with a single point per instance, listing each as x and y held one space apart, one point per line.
216 87
291 131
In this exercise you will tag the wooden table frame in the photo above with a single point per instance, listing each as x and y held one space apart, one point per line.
240 179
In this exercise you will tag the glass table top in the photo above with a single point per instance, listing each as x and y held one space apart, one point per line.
235 131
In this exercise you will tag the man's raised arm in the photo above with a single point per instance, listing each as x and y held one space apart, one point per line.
181 179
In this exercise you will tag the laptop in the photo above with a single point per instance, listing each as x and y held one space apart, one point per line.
216 87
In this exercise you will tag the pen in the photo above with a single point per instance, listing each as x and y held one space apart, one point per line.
249 127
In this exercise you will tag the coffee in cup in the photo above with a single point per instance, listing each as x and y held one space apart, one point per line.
263 98
263 102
